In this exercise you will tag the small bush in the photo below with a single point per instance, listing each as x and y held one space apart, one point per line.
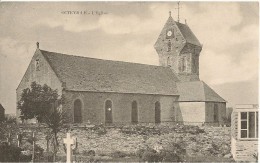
9 153
174 152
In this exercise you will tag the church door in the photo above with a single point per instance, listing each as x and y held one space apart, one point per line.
157 112
77 111
108 112
134 115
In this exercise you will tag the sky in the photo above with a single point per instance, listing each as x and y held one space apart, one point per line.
127 31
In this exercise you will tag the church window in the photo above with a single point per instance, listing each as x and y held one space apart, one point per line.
134 113
215 112
37 64
169 46
183 64
248 126
108 112
157 112
77 111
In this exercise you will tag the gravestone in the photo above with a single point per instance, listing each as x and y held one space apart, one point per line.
68 141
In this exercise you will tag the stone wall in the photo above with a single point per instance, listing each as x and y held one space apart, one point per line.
213 141
93 108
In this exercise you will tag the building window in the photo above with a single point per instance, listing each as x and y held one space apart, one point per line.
108 112
77 111
37 64
183 64
134 113
248 124
215 112
157 112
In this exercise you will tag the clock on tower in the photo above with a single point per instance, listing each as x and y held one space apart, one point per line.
169 33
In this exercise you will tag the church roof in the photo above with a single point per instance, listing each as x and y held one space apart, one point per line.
188 34
89 74
197 91
1 107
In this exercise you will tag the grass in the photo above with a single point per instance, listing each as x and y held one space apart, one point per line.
188 159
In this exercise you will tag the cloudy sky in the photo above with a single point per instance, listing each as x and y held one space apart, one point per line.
127 32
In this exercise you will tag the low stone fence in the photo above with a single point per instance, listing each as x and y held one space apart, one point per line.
199 141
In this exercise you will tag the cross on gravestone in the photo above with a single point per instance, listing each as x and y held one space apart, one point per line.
68 141
9 139
19 139
33 139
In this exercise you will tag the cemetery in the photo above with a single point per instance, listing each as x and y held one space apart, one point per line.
94 143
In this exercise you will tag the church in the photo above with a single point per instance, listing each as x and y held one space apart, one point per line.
104 91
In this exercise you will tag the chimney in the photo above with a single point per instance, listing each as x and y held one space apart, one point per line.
38 45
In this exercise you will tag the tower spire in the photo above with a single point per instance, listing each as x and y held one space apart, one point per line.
170 13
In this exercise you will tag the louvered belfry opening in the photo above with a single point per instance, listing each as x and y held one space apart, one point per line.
77 111
157 112
108 112
134 113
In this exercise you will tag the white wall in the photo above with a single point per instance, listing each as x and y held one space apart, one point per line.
192 112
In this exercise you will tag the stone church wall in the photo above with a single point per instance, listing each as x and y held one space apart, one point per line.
210 112
93 109
43 75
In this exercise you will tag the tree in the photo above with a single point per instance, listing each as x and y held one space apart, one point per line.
227 119
37 101
44 104
55 122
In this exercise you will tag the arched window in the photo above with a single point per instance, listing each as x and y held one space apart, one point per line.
157 112
37 65
77 111
184 64
108 112
215 113
134 113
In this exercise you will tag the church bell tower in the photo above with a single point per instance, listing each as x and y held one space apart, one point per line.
179 49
